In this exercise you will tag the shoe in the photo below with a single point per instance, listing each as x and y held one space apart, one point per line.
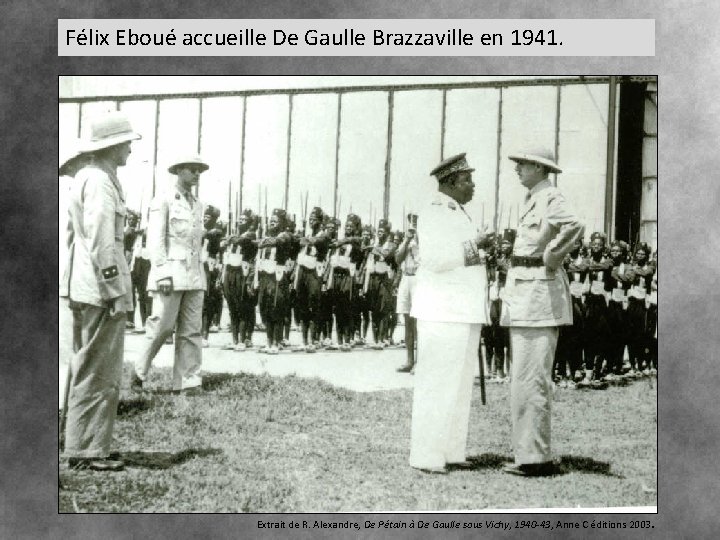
136 383
653 371
377 346
345 347
571 385
205 343
285 343
310 349
140 330
129 326
96 464
432 470
240 347
407 368
248 344
214 329
598 385
169 341
229 346
531 469
273 350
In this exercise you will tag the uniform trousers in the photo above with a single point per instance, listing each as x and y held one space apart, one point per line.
531 391
443 389
180 311
96 368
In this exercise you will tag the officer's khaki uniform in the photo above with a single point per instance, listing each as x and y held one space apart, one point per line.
450 304
175 230
537 301
96 273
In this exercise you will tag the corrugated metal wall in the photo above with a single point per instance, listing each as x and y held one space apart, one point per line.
370 149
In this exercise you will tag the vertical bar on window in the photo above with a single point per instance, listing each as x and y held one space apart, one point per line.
155 148
610 166
242 156
497 160
80 108
337 154
287 159
557 130
388 156
442 125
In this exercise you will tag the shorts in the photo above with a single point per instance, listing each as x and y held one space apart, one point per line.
406 290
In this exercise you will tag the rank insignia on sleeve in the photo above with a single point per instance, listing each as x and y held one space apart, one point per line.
110 272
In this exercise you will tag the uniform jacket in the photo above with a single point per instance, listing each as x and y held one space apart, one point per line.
96 269
540 296
451 281
175 233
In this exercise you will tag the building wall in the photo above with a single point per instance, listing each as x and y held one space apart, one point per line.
272 150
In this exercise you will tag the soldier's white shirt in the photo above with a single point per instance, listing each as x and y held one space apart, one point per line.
451 284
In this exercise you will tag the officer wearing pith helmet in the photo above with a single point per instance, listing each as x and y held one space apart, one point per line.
177 276
449 304
97 284
537 301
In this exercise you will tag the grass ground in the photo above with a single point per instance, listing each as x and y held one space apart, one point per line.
261 444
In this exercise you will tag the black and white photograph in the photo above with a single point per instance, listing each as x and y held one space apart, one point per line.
358 294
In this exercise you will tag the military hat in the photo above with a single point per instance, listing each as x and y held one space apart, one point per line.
335 221
509 235
280 213
451 165
317 212
193 159
385 225
353 219
211 211
368 228
619 243
247 212
597 235
108 130
542 156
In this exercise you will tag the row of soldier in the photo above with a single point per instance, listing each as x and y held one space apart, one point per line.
283 272
614 298
352 284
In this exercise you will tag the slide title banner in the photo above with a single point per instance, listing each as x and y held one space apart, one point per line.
356 37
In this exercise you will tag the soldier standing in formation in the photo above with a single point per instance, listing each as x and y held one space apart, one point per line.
272 278
406 257
213 299
378 284
569 355
311 264
238 274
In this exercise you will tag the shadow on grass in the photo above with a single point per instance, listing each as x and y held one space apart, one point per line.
211 381
165 460
566 464
581 464
129 407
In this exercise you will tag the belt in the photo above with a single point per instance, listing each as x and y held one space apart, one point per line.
526 261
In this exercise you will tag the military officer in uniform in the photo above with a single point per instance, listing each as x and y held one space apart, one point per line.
537 301
177 277
98 287
449 305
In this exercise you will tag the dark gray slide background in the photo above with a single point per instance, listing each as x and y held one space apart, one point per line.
686 62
